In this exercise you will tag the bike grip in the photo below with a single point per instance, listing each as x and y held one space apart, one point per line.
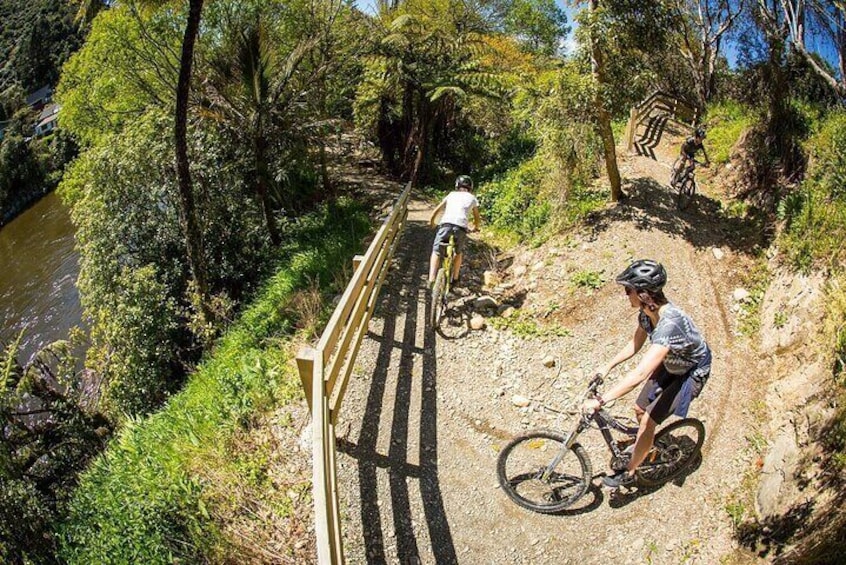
595 382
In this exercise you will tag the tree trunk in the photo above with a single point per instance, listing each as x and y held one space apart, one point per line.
603 116
188 213
260 148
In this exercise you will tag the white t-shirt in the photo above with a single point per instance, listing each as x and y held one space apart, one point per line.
459 203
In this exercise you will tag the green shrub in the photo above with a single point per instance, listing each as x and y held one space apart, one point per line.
587 279
726 123
815 214
140 502
513 202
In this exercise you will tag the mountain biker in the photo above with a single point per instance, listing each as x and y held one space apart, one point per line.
675 367
456 208
688 152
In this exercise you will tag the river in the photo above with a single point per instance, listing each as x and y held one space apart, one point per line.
38 272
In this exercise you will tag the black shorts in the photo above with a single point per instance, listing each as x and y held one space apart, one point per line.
664 389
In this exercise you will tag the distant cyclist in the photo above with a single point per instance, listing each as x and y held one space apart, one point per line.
456 208
675 367
688 153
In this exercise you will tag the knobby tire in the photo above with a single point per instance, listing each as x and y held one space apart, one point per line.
675 448
687 188
438 297
524 459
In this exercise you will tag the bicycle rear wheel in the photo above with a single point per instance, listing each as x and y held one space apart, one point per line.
687 188
674 449
438 298
539 473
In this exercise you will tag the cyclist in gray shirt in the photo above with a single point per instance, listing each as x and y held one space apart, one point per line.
675 367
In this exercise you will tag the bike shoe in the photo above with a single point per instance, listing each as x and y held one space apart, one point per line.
618 479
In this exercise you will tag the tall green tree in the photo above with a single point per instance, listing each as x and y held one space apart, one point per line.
266 83
425 61
187 203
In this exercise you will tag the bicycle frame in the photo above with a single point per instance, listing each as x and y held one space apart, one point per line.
604 421
448 257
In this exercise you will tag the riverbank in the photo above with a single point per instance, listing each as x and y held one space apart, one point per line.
23 204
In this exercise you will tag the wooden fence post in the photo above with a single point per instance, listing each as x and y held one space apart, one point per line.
305 365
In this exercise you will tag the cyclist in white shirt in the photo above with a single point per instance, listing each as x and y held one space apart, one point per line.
456 208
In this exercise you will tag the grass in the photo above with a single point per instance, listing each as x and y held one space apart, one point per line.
142 500
726 122
523 325
756 282
587 279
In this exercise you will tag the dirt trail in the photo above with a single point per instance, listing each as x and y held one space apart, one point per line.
425 415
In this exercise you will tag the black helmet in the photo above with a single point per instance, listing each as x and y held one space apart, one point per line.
644 274
463 181
700 132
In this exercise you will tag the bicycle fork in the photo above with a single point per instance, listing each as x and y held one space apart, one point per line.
568 444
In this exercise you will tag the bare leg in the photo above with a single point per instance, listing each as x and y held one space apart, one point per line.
434 263
643 443
456 266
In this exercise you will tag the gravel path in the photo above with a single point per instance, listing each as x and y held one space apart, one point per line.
425 414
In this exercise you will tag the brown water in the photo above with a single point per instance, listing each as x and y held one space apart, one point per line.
38 272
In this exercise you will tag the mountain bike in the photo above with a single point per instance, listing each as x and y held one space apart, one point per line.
547 471
443 280
684 182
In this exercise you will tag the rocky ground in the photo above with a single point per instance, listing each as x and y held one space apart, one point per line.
426 412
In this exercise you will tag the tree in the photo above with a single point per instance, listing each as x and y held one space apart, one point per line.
538 24
828 19
603 117
187 205
425 61
48 434
704 24
261 79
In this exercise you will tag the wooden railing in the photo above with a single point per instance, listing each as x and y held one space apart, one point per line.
325 371
654 112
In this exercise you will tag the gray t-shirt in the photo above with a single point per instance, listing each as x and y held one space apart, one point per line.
676 331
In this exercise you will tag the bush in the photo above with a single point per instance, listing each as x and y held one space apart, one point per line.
726 123
513 202
815 216
140 502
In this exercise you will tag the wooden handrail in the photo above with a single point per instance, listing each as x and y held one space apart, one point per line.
325 371
674 109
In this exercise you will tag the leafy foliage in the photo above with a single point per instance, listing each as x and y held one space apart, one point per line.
726 121
425 62
36 38
816 215
144 487
49 433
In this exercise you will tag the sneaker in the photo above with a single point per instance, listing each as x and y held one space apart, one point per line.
618 479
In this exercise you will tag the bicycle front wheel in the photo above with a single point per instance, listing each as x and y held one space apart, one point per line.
674 449
438 299
539 473
686 191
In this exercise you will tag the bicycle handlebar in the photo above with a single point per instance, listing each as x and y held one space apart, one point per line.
594 384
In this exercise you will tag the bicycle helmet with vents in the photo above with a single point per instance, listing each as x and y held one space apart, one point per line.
463 181
700 132
644 274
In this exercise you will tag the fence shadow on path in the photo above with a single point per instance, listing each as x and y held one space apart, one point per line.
404 324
